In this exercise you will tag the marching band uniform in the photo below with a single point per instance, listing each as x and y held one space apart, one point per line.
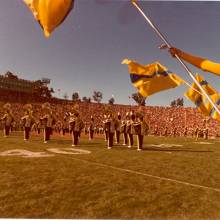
91 129
206 133
174 131
7 119
196 132
165 131
76 126
142 129
37 124
205 130
65 127
106 127
111 130
156 130
79 125
71 127
13 126
49 121
58 126
118 129
85 131
123 131
185 132
100 130
96 130
130 131
41 125
27 122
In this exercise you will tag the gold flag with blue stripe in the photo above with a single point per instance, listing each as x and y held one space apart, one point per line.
212 112
49 13
151 78
195 95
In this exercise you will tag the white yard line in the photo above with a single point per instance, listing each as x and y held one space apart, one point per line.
204 143
147 175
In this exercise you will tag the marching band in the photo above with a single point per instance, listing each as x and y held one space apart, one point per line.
114 126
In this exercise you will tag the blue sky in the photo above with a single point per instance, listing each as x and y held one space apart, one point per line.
84 54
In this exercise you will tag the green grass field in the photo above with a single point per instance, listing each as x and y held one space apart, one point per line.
179 182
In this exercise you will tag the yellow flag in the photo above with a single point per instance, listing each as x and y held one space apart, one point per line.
197 97
50 13
151 78
33 6
212 112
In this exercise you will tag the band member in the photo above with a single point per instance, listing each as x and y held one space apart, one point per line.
106 127
76 126
130 129
101 130
72 126
58 126
64 126
91 129
165 133
111 129
156 130
86 130
174 132
205 130
197 133
37 126
185 132
97 130
7 119
27 121
48 121
118 129
206 133
123 131
142 130
14 126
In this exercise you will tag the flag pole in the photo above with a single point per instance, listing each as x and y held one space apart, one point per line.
178 58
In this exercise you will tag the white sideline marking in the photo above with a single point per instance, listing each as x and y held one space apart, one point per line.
24 153
164 145
68 151
202 142
149 175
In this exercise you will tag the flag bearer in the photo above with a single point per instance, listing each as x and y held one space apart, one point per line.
199 62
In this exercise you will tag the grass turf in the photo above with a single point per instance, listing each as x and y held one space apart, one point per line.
79 186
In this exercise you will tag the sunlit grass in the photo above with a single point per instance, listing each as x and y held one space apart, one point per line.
79 186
